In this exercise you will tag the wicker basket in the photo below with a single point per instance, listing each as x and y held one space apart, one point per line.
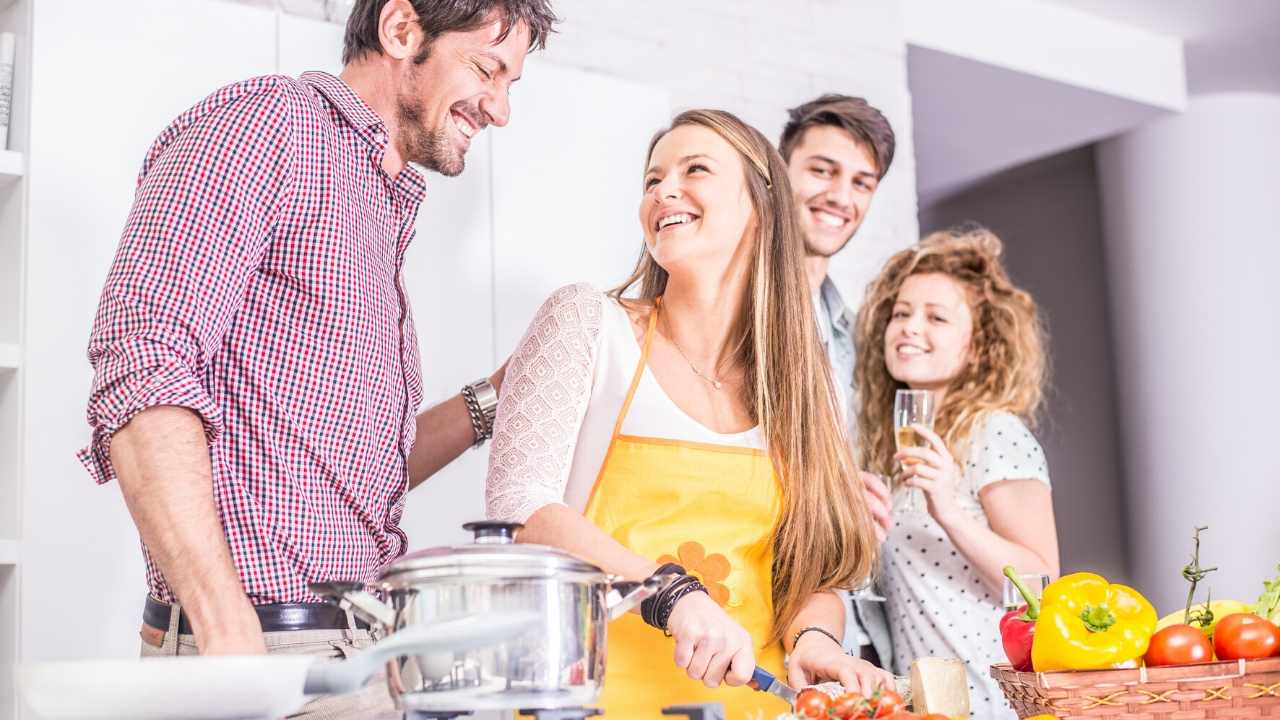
1232 689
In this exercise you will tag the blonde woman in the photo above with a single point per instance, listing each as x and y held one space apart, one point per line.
944 316
686 421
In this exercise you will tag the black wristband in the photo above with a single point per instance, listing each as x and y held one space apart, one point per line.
675 594
815 628
649 606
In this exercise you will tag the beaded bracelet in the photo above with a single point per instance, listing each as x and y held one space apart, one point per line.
674 595
814 628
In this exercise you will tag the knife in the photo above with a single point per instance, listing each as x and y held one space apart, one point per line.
764 681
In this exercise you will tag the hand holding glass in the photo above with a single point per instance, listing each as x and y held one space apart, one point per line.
912 407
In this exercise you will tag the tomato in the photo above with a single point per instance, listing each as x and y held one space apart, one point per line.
1179 645
812 703
887 703
1245 635
850 706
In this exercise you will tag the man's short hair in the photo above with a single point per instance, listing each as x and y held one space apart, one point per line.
854 115
438 17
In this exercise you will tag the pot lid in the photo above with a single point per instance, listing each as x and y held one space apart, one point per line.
493 554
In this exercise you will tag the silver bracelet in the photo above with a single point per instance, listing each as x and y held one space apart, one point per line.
481 400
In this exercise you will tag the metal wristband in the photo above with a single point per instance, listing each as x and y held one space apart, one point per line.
815 628
474 412
482 405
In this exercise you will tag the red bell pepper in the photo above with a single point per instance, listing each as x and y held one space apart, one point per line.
1018 626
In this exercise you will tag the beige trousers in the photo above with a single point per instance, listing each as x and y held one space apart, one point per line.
371 703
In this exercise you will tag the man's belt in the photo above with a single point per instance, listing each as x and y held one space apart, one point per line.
278 617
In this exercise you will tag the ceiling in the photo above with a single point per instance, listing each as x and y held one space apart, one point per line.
1230 45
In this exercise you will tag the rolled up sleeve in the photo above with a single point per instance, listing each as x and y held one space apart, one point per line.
210 190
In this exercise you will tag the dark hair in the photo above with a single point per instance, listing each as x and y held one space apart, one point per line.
854 115
438 17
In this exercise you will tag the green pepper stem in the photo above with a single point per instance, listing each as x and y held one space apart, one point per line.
1097 618
1033 603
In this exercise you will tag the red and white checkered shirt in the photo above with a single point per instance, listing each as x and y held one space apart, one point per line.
258 283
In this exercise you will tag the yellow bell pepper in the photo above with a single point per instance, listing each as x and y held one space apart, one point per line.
1087 623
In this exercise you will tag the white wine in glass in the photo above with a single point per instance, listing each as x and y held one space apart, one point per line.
912 407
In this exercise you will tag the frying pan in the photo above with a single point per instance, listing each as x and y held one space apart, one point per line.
236 687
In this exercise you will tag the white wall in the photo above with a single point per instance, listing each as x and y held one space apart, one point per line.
109 77
1190 213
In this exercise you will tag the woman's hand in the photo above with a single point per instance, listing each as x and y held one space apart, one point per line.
933 470
879 502
710 646
816 658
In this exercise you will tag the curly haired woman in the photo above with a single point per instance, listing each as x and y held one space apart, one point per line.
944 316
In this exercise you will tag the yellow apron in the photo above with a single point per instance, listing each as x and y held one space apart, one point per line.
711 508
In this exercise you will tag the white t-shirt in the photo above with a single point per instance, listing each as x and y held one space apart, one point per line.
937 604
563 390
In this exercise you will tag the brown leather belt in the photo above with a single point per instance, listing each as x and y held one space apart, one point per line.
277 617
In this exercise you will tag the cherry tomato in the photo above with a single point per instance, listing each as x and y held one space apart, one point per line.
1245 635
887 703
1179 645
812 703
850 706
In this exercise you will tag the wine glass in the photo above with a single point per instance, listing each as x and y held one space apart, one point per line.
911 407
1011 599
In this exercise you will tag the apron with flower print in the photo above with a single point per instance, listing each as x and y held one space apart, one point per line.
712 509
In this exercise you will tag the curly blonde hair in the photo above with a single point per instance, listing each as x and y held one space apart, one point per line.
1008 365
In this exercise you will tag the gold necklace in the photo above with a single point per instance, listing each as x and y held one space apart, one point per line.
671 336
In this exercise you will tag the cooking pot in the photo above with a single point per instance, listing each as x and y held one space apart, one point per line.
559 663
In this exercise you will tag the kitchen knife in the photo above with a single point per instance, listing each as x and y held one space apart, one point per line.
764 681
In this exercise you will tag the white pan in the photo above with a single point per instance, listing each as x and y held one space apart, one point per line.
235 687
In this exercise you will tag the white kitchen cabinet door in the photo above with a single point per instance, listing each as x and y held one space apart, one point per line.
106 79
567 177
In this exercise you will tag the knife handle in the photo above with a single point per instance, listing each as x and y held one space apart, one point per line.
761 679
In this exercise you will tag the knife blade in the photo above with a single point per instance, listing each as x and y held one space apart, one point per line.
764 681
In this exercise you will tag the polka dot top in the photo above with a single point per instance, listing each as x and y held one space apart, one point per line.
936 603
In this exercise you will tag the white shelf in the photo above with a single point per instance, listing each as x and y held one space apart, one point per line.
10 356
8 552
13 164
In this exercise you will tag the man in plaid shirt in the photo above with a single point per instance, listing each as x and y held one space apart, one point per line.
256 367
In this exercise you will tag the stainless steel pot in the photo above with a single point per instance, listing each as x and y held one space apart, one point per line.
559 663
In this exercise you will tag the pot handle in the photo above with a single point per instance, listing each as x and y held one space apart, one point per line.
352 596
344 676
625 595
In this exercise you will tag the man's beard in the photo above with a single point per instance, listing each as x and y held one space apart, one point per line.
431 149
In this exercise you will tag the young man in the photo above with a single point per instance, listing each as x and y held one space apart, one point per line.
838 149
256 367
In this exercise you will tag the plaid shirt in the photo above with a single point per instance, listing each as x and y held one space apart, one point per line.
257 283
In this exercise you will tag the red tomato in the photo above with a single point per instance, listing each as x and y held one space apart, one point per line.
1179 645
1245 635
850 706
813 703
887 703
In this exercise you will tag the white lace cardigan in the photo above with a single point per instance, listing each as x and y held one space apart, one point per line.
564 387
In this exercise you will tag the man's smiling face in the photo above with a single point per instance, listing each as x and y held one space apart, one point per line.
834 178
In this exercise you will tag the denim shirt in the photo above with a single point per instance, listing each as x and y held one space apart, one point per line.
835 329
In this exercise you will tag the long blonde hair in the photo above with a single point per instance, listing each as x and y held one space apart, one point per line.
824 537
1008 366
